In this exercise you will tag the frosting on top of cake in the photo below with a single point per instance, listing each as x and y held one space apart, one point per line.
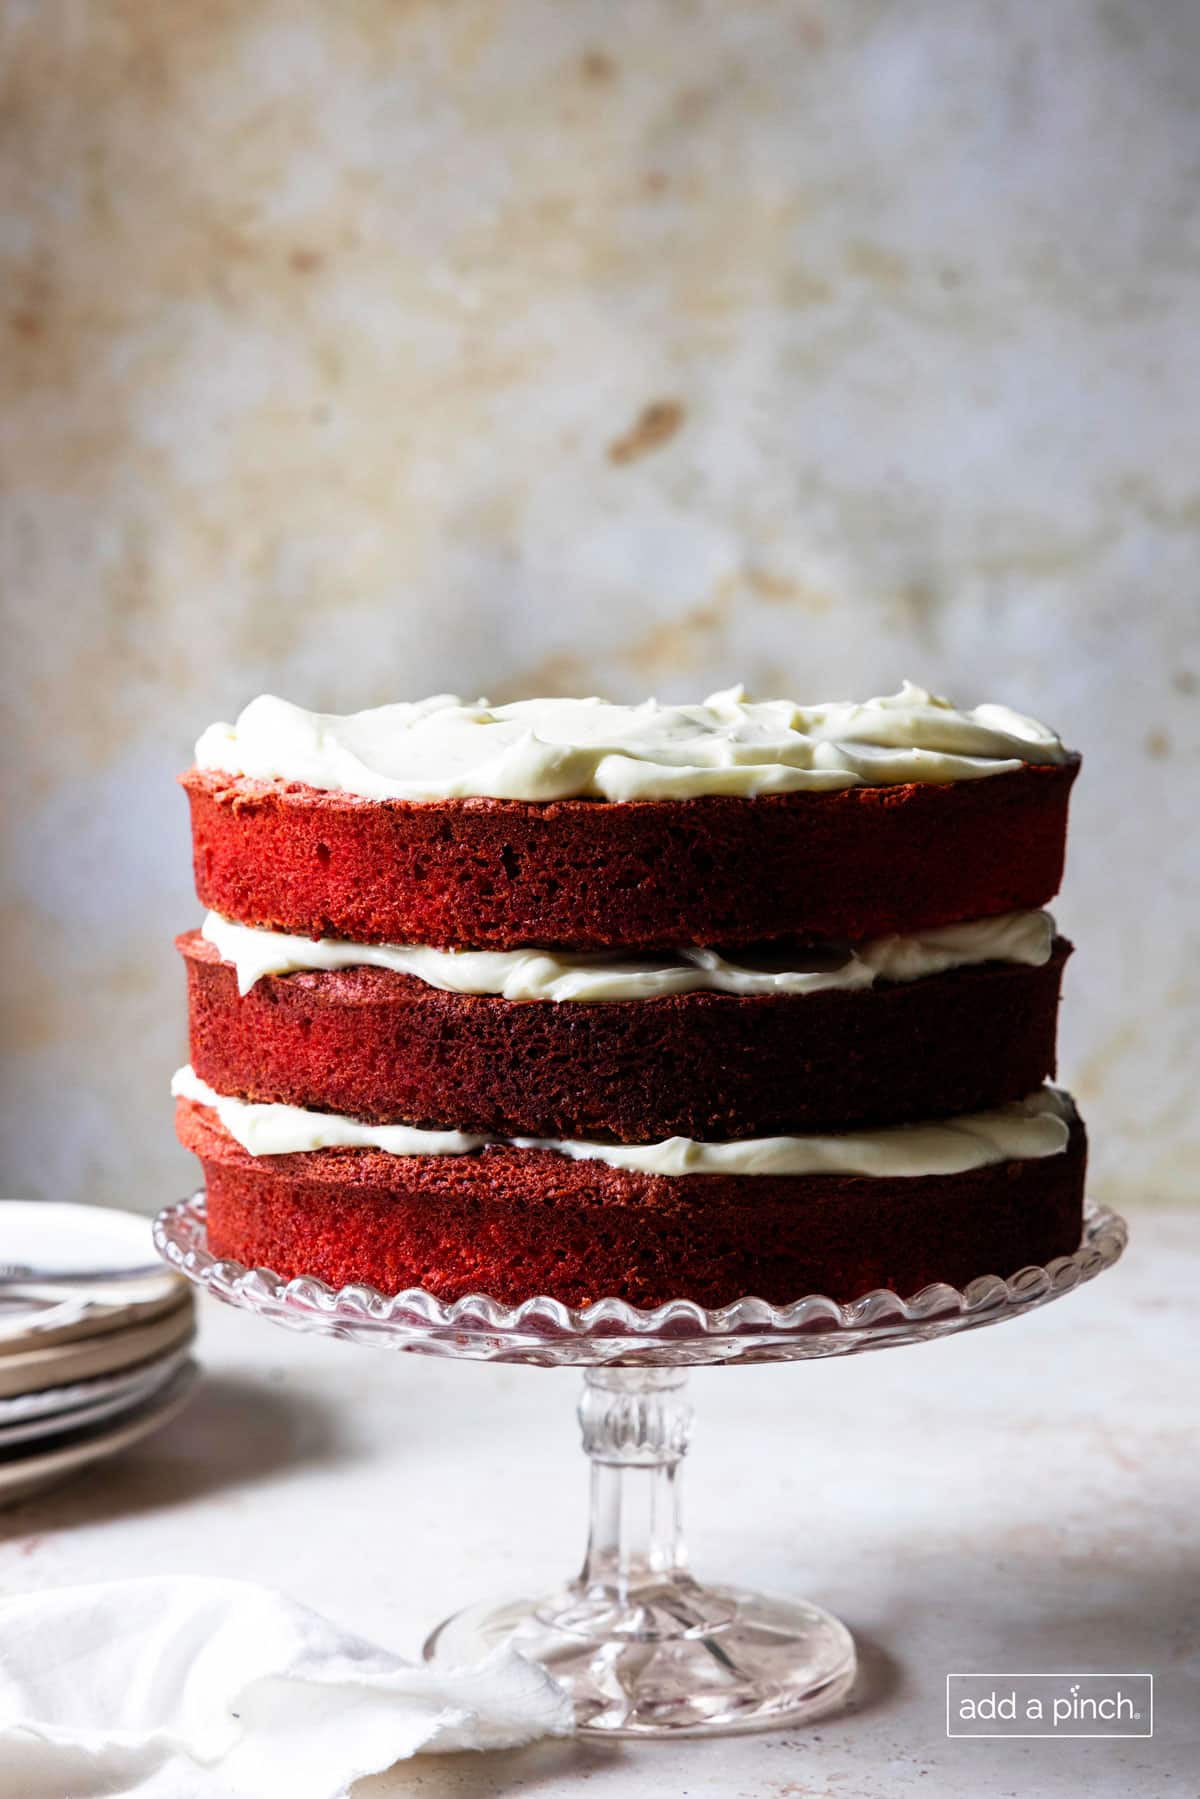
588 979
1028 1129
552 749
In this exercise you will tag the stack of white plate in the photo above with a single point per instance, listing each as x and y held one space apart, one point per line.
95 1340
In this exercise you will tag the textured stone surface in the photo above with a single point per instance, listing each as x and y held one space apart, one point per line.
368 351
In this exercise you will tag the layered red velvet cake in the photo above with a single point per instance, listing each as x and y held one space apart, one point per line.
652 1002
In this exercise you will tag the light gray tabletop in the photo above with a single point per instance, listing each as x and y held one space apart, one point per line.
1024 1498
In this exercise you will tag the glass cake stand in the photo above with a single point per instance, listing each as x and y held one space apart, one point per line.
641 1646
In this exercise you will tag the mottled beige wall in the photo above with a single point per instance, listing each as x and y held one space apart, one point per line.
360 350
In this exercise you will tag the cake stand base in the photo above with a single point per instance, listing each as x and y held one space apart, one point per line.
706 1660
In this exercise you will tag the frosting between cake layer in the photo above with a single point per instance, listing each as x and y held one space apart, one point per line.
557 975
1025 1130
549 749
276 1130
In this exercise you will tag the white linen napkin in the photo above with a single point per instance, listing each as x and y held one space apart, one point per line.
161 1688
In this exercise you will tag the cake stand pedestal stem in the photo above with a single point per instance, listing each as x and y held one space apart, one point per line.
635 1582
642 1647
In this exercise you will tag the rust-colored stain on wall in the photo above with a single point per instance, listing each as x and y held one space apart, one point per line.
655 425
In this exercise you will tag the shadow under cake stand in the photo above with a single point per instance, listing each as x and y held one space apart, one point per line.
642 1647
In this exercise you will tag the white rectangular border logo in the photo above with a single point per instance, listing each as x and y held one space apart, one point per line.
1049 1736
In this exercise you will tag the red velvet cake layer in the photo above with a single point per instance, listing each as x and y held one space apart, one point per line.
591 874
386 1047
516 1223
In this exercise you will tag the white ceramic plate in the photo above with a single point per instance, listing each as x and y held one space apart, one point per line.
96 1408
61 1364
28 1322
136 1382
26 1475
39 1237
93 1245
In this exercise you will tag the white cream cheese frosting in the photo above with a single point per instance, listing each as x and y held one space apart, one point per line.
275 1130
548 749
1027 1130
532 974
